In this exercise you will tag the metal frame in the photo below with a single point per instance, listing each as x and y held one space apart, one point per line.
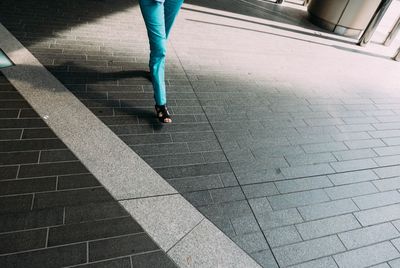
373 24
305 3
393 33
397 57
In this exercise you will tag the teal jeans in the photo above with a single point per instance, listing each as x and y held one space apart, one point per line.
159 17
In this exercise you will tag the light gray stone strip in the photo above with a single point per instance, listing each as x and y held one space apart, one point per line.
173 223
206 246
167 218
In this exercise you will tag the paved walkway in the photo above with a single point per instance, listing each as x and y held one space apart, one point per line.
286 139
54 212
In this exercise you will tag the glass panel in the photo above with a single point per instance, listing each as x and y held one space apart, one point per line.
4 60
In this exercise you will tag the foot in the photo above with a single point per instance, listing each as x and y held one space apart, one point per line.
163 114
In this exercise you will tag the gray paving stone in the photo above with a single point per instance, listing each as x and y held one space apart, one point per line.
47 258
382 265
301 139
368 235
260 205
259 190
360 120
122 263
308 250
30 145
282 236
18 158
200 198
377 200
397 224
70 197
367 256
367 143
77 181
391 141
92 212
227 194
384 133
396 242
351 165
351 190
214 157
228 179
317 130
16 203
353 177
378 215
235 209
250 165
56 156
295 185
354 154
269 220
324 147
356 128
251 242
326 262
51 169
387 184
120 246
329 226
309 159
152 259
10 187
386 172
388 150
260 176
324 121
193 170
244 225
264 258
174 160
395 263
23 240
347 136
276 151
71 233
328 209
386 126
308 170
297 199
387 160
196 183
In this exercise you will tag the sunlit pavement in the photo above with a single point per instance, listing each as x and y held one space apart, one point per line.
285 136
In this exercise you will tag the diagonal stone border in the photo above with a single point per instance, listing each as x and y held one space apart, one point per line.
188 238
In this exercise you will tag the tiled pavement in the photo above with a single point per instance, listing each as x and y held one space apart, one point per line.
53 211
288 141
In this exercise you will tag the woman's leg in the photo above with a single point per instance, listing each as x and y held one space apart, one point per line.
171 9
153 14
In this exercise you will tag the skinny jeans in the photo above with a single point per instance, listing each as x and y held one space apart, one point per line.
159 18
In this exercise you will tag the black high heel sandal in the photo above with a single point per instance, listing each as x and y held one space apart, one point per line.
163 114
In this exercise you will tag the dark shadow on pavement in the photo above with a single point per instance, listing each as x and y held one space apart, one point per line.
36 20
101 99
